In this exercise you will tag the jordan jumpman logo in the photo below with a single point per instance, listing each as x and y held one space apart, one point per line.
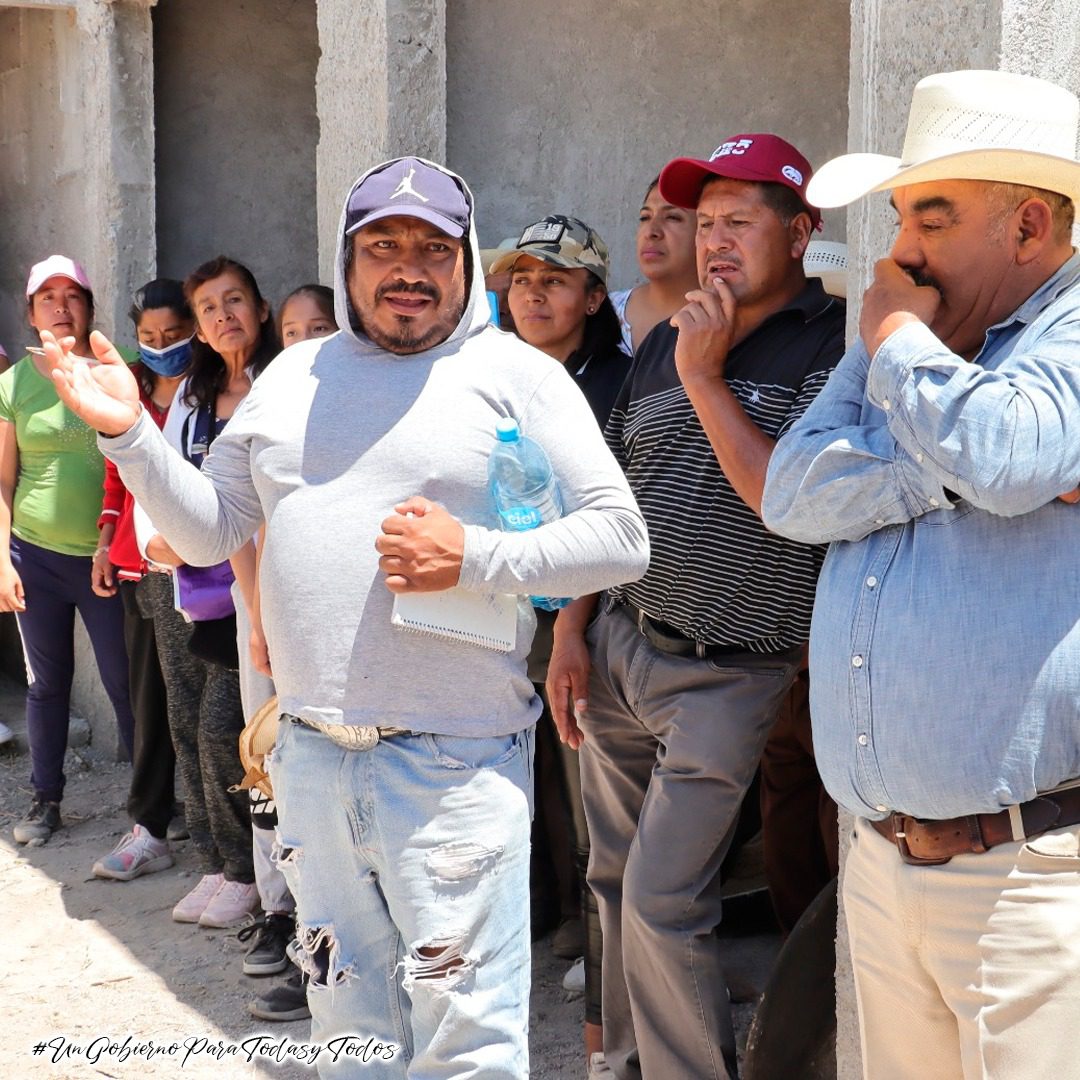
406 188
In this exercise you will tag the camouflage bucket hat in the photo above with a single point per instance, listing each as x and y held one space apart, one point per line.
562 241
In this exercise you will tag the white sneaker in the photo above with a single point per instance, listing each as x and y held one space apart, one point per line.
194 904
598 1066
231 904
574 979
139 852
6 734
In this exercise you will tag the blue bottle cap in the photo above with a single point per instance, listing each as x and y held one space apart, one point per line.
506 430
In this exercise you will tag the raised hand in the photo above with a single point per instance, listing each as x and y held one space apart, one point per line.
104 394
892 300
706 328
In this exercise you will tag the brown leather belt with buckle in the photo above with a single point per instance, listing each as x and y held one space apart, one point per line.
933 843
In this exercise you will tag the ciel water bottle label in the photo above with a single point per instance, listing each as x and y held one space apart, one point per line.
519 518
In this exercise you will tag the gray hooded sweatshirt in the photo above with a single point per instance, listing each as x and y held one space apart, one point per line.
333 434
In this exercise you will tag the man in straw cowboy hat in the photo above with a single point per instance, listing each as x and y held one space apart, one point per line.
945 645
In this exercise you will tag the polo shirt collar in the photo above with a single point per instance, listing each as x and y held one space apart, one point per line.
808 304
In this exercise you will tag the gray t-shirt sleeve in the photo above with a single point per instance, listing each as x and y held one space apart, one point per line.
600 541
206 516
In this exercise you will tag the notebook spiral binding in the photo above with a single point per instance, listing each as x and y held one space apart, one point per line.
450 633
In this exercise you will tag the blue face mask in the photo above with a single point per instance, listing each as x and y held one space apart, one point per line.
170 361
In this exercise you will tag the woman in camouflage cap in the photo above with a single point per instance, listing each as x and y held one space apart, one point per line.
559 302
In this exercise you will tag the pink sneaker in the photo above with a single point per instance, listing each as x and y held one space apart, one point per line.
231 904
194 904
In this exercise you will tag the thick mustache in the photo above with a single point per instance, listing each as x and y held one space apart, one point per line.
923 280
421 287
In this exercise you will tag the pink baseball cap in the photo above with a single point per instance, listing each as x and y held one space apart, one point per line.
56 266
761 158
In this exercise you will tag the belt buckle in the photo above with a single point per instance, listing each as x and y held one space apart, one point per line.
900 823
368 738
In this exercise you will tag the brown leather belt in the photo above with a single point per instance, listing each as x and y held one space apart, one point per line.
932 843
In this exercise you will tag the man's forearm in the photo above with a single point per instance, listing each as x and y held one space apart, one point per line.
741 447
573 618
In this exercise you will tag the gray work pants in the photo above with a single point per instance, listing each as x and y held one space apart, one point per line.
671 745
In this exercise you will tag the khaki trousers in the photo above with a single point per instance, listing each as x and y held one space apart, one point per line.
971 969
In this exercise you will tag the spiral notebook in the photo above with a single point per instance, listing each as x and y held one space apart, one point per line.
485 619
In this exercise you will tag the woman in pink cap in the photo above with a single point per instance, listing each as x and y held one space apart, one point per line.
51 474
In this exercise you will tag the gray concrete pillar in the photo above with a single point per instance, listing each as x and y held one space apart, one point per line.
894 45
380 92
117 49
77 177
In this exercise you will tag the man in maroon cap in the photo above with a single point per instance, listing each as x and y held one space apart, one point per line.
669 685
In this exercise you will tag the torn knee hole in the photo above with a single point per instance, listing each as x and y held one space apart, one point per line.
460 861
283 853
439 966
432 963
320 957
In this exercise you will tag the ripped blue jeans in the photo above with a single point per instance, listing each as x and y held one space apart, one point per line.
410 868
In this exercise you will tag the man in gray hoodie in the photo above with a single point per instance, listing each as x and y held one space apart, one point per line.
402 770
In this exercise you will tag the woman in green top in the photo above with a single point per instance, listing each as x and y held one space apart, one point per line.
51 474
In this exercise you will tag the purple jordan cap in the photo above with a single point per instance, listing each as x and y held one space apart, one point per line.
413 188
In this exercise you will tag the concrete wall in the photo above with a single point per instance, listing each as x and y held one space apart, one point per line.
381 93
76 150
574 107
236 135
41 107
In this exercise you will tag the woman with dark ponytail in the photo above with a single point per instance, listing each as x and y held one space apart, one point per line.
164 329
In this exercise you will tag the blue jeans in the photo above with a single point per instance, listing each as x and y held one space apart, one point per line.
410 867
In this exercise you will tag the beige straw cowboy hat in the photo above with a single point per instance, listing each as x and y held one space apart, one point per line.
969 125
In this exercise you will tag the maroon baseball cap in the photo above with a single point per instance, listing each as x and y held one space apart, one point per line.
761 158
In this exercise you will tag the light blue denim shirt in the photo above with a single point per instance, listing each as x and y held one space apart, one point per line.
945 645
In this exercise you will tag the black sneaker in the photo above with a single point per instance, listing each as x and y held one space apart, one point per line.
177 829
41 821
267 953
288 1001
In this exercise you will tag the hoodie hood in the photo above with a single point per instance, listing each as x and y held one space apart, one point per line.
477 313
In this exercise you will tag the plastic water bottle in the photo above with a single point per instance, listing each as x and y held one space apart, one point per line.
524 489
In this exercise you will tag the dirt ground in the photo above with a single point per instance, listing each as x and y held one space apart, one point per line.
88 963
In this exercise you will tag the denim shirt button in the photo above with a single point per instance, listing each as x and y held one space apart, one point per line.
918 458
886 404
879 521
934 502
856 661
863 740
882 809
871 581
